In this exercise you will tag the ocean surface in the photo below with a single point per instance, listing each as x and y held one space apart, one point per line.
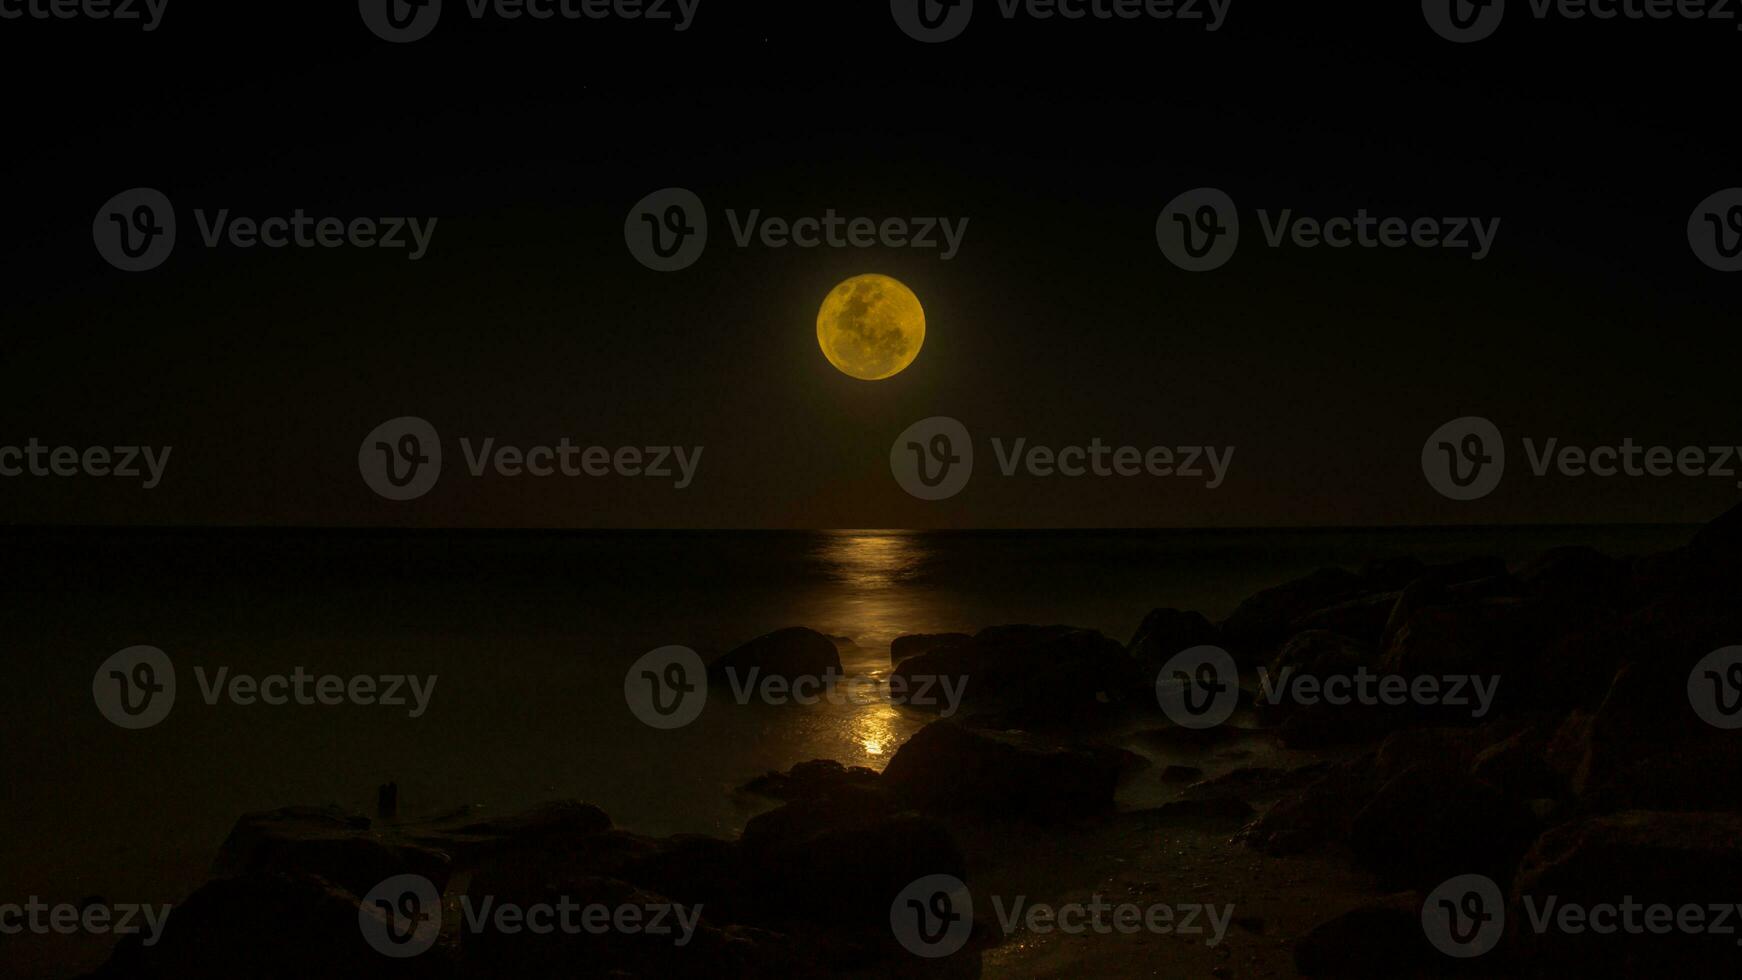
529 637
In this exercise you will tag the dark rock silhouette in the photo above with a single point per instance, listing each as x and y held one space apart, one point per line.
792 652
914 644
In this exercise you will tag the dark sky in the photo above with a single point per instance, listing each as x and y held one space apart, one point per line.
1060 320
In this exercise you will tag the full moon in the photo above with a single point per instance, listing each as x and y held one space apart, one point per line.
871 327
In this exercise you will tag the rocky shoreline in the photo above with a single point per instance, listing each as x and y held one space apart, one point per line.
1584 773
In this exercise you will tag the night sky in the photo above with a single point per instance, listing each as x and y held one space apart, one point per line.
1059 321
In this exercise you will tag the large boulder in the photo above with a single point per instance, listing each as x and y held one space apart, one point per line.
1424 826
1024 675
1260 624
789 653
1647 858
811 780
945 767
269 926
1165 632
328 843
915 644
1379 938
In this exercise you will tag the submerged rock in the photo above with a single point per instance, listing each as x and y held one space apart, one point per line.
945 767
792 652
915 644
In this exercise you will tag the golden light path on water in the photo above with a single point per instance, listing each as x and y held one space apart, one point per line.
878 602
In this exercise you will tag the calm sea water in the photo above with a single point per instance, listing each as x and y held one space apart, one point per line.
529 637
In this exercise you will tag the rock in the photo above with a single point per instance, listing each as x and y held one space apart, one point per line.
1720 542
1261 623
324 842
1165 632
1518 764
1382 938
1181 774
1322 653
1698 774
1391 574
265 925
1425 825
918 643
1576 575
471 837
1317 814
1224 809
1026 676
1257 782
945 767
1485 636
643 952
1361 619
808 780
1649 858
800 861
789 653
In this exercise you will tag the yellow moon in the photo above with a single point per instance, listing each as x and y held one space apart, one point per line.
871 327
